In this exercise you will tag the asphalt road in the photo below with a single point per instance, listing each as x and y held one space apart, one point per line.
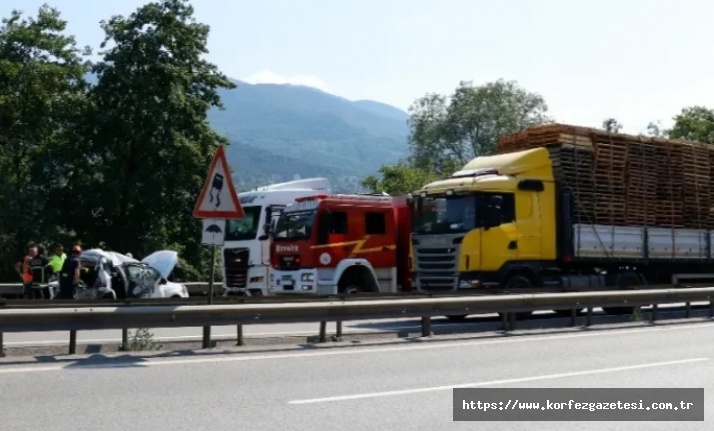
402 386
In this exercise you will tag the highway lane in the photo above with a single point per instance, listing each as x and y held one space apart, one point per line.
271 330
407 386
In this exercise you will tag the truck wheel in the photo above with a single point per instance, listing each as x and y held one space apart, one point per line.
351 289
519 282
629 280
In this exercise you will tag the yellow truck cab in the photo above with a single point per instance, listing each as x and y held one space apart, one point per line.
493 223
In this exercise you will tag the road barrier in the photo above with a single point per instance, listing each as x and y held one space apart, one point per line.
75 319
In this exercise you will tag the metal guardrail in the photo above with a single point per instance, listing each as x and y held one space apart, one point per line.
165 316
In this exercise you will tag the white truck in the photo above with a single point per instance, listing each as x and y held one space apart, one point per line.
245 258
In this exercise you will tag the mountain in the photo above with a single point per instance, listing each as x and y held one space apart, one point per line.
280 132
383 110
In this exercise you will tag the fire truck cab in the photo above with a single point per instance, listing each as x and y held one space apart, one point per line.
330 244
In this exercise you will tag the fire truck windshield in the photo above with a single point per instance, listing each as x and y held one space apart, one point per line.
245 228
294 225
445 214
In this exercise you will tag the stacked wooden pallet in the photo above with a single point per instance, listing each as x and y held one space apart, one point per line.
626 180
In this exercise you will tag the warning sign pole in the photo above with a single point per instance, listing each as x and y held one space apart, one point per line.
217 200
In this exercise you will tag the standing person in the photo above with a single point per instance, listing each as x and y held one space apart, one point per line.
23 268
57 259
39 268
69 276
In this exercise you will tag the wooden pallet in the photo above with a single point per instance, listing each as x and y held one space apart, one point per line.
627 180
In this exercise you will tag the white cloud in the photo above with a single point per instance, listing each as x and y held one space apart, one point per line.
268 77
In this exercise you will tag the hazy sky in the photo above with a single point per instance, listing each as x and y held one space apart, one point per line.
634 60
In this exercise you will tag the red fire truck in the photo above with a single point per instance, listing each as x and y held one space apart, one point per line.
329 244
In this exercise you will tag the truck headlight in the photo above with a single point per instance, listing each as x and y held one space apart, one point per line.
307 277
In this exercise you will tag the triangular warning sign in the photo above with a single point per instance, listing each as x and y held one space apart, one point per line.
218 198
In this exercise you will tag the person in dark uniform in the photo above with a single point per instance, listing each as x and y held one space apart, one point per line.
40 270
69 276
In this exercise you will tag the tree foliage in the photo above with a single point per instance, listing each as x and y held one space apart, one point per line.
153 93
611 125
447 132
42 95
398 179
119 163
694 123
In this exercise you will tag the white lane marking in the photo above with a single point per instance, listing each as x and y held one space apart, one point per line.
355 350
493 382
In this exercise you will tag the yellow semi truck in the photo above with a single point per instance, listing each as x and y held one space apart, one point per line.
508 222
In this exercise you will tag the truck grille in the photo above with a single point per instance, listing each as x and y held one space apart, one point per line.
235 262
436 268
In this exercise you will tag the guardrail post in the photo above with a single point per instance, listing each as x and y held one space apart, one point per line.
125 338
2 346
504 321
426 326
711 308
511 321
573 317
338 329
655 310
323 332
72 342
206 337
239 331
207 329
688 310
589 317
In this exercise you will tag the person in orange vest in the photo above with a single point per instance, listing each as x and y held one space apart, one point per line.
23 268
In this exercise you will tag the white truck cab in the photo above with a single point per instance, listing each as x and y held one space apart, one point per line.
245 256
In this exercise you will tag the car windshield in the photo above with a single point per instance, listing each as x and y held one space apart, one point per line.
245 228
445 214
294 225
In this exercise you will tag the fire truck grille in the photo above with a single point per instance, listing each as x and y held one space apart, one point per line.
235 262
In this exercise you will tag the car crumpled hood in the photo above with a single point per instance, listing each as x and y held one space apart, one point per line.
163 261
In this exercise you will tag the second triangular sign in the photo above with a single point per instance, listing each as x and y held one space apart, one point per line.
218 198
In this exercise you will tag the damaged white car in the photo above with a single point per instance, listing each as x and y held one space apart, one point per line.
108 274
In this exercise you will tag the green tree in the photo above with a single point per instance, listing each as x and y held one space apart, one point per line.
42 95
447 132
469 122
611 125
152 140
398 179
694 123
655 130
